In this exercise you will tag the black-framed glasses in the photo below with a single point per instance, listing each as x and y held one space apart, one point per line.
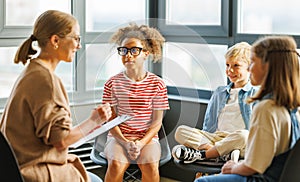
77 38
135 51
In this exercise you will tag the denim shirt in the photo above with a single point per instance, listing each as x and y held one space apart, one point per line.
219 99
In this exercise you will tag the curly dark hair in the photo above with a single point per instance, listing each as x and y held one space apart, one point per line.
150 37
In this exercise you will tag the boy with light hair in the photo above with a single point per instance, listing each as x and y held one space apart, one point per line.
226 120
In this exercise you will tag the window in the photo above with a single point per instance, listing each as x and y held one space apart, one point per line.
65 72
197 33
23 13
103 19
269 17
194 12
104 15
9 71
207 18
196 66
190 62
102 63
19 15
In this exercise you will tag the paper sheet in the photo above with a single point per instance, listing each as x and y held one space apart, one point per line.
105 127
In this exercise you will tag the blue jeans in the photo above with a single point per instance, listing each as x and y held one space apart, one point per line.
222 178
94 177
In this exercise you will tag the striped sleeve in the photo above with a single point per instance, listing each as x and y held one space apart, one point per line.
108 95
160 101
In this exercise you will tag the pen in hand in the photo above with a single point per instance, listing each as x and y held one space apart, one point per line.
104 113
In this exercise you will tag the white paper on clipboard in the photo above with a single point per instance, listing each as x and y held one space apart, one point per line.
105 127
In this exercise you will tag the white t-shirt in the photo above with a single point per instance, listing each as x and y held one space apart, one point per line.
230 118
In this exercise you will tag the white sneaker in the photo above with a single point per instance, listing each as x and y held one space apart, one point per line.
186 154
235 155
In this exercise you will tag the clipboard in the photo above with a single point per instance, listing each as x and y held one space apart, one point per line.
102 129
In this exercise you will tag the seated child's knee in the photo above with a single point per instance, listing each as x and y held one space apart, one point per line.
181 130
178 133
243 135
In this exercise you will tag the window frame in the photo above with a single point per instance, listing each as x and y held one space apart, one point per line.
203 30
225 34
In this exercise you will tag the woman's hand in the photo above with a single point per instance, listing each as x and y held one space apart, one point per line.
101 114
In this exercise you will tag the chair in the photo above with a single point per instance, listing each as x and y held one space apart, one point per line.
292 165
9 168
133 170
200 168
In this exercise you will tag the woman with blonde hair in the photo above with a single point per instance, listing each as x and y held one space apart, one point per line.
37 118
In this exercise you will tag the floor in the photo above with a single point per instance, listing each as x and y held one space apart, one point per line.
101 173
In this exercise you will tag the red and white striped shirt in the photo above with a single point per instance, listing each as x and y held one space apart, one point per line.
136 99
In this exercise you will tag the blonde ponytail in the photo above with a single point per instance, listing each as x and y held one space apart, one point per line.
25 51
